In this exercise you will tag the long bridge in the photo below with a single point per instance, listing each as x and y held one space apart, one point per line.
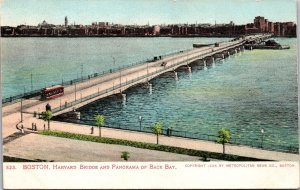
85 92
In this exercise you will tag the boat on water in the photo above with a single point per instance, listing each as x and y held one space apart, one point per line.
270 44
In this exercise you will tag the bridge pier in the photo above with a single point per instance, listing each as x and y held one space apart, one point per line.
124 99
150 88
225 54
77 114
213 61
176 75
204 63
205 66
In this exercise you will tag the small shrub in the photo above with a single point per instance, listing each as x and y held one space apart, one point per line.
125 155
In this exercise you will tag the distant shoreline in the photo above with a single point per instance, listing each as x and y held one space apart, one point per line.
132 36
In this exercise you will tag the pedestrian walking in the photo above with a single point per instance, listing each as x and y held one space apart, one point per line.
22 128
168 131
92 130
44 126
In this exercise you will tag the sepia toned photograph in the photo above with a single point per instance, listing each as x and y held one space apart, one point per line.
147 88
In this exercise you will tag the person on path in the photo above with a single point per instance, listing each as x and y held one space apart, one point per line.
92 130
22 128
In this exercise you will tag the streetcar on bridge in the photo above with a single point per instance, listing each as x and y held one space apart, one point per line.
52 92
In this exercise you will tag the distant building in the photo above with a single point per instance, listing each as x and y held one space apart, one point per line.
66 21
102 24
266 25
259 23
277 29
271 27
251 29
156 30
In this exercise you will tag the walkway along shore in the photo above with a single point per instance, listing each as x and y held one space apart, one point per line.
164 140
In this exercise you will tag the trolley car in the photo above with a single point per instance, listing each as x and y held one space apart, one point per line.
52 92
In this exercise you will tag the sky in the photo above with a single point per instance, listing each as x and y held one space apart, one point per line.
33 12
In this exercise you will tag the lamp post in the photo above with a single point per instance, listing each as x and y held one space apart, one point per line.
262 137
21 109
140 120
120 81
187 58
120 73
81 72
147 70
75 92
31 82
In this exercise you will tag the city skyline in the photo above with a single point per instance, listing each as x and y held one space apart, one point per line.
17 12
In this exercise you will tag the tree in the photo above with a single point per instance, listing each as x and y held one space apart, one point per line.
224 136
100 121
125 155
47 115
157 129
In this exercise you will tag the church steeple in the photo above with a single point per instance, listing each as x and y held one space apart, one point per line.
66 21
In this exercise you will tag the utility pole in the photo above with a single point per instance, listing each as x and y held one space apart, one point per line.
120 73
262 137
140 120
187 58
31 81
147 70
75 91
120 80
81 72
21 109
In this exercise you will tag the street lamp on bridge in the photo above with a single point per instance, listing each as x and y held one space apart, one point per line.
262 137
140 120
120 73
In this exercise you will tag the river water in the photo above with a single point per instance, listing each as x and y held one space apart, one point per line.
245 93
33 63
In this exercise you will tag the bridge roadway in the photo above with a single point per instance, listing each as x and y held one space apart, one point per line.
80 94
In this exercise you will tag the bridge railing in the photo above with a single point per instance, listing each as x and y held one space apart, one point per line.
236 139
